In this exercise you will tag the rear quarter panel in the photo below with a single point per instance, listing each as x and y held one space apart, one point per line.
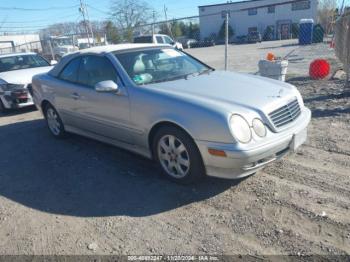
42 89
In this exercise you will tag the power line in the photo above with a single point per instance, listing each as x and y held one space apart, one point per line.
38 9
16 27
39 20
99 10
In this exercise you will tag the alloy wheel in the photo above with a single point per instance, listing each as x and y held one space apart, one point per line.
53 122
173 156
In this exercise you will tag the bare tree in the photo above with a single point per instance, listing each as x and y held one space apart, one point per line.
327 12
129 14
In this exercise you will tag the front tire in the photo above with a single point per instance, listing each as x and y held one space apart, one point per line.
177 155
54 122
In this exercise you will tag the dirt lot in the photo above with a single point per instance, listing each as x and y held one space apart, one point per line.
78 196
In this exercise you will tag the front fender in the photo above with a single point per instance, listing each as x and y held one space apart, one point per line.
149 108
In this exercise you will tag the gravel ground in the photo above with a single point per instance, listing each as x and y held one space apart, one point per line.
78 196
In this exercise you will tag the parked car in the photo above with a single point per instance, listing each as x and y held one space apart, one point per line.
16 72
254 37
188 42
242 39
158 39
204 43
166 105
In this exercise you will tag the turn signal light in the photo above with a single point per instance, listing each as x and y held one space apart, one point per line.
216 152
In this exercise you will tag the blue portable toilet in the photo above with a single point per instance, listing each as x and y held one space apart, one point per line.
306 31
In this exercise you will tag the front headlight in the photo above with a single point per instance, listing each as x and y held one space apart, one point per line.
240 129
259 127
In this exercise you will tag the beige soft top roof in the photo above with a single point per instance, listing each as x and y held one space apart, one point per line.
99 50
113 48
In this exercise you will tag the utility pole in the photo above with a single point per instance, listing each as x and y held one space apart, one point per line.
154 21
226 39
82 10
90 26
166 20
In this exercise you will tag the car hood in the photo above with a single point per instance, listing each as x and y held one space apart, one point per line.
23 76
230 90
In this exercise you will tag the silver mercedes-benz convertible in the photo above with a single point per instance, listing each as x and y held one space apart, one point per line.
167 105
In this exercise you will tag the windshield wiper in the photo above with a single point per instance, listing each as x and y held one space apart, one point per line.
206 71
169 79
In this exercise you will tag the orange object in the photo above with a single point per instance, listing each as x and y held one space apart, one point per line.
270 57
216 152
319 69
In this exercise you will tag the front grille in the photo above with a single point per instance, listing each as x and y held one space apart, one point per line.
285 114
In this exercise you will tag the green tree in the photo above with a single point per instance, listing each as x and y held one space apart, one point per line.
175 29
128 34
193 31
164 29
112 33
222 33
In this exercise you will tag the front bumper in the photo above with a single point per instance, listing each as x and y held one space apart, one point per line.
12 100
240 163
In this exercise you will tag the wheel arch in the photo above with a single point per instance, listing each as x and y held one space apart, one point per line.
44 104
161 124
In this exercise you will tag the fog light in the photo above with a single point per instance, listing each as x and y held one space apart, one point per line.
259 127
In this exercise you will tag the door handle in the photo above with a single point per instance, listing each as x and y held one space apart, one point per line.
75 96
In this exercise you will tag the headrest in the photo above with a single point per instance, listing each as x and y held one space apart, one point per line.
139 66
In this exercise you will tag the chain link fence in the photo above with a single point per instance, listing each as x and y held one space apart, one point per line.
284 39
279 40
54 47
342 43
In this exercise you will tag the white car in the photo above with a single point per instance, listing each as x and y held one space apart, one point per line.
158 39
16 72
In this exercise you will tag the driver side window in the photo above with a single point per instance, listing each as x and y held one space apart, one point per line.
94 69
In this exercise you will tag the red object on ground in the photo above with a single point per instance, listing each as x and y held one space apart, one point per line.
319 69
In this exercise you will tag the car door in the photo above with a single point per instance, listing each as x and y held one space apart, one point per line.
101 113
64 89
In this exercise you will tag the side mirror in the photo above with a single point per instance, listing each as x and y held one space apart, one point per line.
53 62
106 86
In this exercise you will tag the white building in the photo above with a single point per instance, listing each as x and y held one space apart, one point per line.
257 15
21 43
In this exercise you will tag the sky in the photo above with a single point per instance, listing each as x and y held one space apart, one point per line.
23 15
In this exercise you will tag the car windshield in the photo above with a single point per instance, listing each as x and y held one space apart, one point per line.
18 62
159 65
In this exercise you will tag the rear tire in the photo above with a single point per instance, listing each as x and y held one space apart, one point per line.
177 155
54 122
